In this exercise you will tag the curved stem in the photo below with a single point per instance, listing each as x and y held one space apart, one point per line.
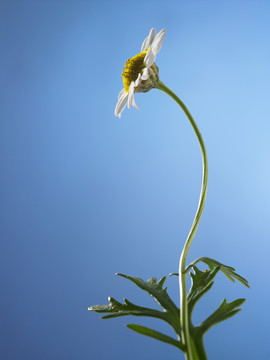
182 263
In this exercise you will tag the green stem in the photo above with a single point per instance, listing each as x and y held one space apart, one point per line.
184 322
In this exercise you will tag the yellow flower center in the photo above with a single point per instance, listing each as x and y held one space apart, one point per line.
133 67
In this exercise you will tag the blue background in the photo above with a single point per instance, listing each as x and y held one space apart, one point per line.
85 195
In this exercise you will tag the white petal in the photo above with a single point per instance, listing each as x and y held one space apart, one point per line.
157 43
151 37
145 74
150 58
130 94
134 104
138 80
143 44
148 40
121 93
120 105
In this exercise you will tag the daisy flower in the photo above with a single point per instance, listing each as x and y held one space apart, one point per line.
140 72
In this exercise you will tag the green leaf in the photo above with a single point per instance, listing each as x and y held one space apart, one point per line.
156 335
228 271
170 312
117 309
201 283
155 289
225 311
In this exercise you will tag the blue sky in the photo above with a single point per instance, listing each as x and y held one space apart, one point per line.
85 195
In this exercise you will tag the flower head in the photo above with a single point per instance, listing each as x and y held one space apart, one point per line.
140 72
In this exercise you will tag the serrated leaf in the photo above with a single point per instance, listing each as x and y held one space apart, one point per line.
155 289
202 281
143 330
117 309
225 311
170 312
228 271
